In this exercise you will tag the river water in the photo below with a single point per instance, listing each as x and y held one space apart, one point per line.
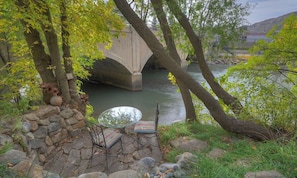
156 89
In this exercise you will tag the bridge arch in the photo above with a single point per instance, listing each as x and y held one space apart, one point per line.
131 53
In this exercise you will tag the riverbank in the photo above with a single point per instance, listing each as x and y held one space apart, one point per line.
230 156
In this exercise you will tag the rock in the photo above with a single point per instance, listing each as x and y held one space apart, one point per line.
12 156
33 126
37 143
185 144
48 141
50 149
5 139
27 168
165 166
30 117
93 175
41 158
216 153
74 157
60 136
23 167
66 113
46 111
124 174
86 154
44 122
54 118
47 174
186 160
26 127
147 165
41 132
80 124
53 127
71 121
264 174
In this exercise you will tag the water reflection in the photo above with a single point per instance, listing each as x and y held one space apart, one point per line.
119 117
156 89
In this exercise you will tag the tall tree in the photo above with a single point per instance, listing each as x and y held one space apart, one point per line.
229 123
198 49
52 29
170 43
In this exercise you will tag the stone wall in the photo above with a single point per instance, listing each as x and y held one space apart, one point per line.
48 126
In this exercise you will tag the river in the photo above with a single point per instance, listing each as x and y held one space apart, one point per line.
156 89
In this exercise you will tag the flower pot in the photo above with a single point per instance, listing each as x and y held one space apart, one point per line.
56 100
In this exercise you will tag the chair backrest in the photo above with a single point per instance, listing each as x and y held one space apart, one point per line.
97 134
157 116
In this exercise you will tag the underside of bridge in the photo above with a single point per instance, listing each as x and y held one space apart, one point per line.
111 72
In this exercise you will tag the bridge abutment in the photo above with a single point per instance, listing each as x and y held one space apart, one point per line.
131 82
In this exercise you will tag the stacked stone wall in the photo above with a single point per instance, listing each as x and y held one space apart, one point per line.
45 128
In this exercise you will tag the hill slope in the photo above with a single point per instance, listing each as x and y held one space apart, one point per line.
266 25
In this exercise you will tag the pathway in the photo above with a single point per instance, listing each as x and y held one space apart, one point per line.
72 157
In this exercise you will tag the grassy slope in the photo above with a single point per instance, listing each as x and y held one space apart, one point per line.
243 154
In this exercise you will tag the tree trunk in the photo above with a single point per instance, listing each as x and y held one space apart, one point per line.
186 95
227 122
229 100
48 66
52 43
76 103
41 60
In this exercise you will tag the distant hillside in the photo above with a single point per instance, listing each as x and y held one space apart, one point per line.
266 25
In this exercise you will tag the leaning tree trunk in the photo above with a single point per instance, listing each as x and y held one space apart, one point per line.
228 123
76 100
229 100
186 95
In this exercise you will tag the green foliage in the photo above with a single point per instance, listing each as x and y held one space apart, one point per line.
266 84
6 147
18 81
88 115
242 154
89 23
212 20
169 133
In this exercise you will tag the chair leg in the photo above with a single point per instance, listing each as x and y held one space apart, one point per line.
158 140
138 141
106 161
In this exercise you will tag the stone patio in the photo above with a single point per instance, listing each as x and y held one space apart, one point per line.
72 156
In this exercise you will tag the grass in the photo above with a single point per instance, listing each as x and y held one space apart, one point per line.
242 154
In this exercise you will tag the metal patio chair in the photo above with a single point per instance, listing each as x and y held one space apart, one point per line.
148 127
103 139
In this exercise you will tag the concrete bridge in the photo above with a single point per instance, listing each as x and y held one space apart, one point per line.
124 61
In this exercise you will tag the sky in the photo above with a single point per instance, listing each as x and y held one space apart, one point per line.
266 9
